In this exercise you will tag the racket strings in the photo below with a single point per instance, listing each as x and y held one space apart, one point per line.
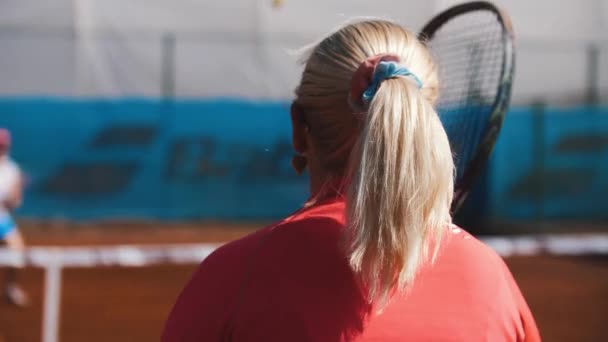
470 52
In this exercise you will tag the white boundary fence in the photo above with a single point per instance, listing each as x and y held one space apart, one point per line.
54 259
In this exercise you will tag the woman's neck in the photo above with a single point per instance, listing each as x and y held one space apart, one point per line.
324 184
317 176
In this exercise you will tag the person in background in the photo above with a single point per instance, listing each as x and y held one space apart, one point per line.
373 255
11 195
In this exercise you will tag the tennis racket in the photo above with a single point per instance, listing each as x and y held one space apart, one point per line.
472 45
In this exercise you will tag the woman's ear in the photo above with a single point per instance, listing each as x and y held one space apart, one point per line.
299 130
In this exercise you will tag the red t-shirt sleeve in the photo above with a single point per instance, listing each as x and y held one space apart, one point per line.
203 308
497 297
201 301
530 331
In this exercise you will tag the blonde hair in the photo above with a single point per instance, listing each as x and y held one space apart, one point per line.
395 155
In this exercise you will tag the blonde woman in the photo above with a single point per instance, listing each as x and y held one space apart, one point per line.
373 255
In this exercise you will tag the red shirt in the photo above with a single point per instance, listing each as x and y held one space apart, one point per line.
292 282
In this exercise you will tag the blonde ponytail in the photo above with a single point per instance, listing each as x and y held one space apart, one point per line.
401 188
394 152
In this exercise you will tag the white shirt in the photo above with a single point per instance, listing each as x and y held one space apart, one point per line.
9 177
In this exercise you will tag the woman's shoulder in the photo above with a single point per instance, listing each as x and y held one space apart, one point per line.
466 248
473 268
210 294
465 267
484 276
469 289
314 226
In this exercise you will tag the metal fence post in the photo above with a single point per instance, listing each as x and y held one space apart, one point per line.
168 65
166 118
593 77
538 155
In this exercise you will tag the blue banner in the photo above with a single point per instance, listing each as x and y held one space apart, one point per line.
230 159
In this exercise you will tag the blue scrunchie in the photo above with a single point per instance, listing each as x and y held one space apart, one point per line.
385 70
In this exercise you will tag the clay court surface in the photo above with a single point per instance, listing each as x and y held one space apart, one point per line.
568 295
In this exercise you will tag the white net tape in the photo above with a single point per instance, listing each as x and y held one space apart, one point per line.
549 244
137 255
122 255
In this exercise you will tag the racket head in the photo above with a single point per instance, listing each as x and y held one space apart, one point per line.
473 47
